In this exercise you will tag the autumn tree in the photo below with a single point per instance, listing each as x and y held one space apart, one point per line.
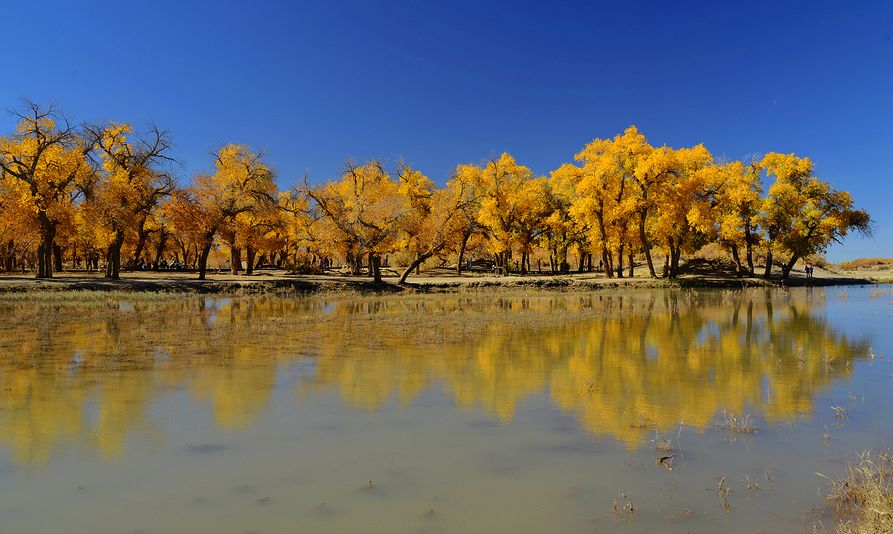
19 228
738 199
448 213
188 220
298 220
531 224
258 231
132 185
684 201
45 159
803 215
502 182
562 228
466 191
105 191
418 191
361 213
242 183
604 200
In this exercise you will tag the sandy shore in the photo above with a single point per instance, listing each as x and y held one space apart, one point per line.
271 281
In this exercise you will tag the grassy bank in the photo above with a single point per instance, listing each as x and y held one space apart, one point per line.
278 282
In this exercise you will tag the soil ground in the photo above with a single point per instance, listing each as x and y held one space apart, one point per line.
438 280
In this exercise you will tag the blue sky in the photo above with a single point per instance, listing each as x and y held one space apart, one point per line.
439 83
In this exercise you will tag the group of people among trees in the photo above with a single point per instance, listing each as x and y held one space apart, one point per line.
102 192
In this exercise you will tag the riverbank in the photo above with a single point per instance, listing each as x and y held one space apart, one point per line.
438 282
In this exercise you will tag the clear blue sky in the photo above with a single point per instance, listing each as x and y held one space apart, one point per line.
438 83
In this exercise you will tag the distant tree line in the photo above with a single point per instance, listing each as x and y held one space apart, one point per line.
105 196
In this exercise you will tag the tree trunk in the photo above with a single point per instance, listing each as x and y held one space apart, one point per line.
646 246
418 261
739 269
675 252
589 262
674 262
140 245
45 249
162 241
9 261
203 259
113 257
235 259
619 270
632 265
786 268
768 273
606 255
185 250
57 257
375 259
465 238
607 260
249 257
748 244
582 264
41 263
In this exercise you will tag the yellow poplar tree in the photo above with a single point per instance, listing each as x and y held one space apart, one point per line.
605 199
738 204
684 201
242 183
803 214
447 216
502 182
568 221
47 161
132 185
361 214
465 190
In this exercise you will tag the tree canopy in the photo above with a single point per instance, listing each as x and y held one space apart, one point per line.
79 194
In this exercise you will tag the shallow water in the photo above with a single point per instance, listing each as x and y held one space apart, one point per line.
441 413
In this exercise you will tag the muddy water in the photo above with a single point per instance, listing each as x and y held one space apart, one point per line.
442 413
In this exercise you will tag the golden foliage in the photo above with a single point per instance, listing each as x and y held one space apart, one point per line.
106 189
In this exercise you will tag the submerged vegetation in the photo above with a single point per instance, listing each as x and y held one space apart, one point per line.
106 194
734 424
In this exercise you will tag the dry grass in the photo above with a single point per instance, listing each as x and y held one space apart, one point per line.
69 296
867 263
723 492
663 445
863 499
841 413
735 424
666 450
623 508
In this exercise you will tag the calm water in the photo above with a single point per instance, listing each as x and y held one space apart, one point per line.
440 413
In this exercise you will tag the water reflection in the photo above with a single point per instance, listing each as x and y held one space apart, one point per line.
624 364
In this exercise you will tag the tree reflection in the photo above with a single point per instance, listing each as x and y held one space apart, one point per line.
624 363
